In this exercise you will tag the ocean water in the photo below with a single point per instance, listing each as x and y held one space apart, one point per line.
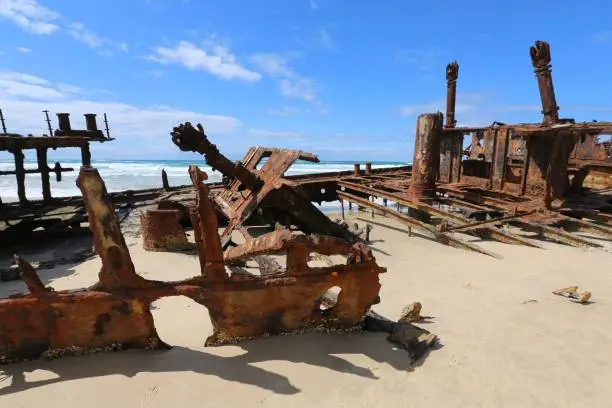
122 175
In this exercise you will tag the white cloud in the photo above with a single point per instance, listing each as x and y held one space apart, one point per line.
30 16
279 135
324 40
272 64
24 50
301 88
24 86
471 109
285 111
139 130
216 60
38 19
291 84
103 46
79 32
423 59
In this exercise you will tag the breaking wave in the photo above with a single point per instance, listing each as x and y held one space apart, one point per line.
123 175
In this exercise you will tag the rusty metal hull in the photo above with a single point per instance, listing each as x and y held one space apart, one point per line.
115 312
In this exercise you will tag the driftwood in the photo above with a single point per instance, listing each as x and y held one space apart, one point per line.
574 294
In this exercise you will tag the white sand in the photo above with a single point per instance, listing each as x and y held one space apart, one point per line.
498 351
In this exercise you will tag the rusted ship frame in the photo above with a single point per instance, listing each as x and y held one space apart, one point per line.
263 190
62 137
525 175
514 175
60 213
115 312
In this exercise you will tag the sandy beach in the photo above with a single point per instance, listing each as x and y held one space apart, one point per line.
506 340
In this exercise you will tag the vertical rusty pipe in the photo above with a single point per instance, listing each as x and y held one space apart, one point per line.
63 120
43 167
368 168
356 169
20 174
164 177
426 156
85 155
90 122
452 73
540 59
58 171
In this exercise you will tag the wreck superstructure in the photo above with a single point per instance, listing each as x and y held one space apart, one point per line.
63 137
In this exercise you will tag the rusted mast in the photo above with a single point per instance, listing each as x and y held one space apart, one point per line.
540 59
452 73
426 156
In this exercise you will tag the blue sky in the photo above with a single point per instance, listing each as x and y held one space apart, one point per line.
344 79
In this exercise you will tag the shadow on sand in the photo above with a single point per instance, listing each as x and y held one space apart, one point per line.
315 349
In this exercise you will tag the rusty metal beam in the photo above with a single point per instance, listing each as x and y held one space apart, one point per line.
555 234
117 268
441 237
492 232
481 224
587 226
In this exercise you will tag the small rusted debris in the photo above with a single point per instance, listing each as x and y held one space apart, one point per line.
29 276
412 314
184 217
573 293
162 231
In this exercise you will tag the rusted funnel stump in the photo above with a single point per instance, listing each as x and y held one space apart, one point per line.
426 156
162 231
